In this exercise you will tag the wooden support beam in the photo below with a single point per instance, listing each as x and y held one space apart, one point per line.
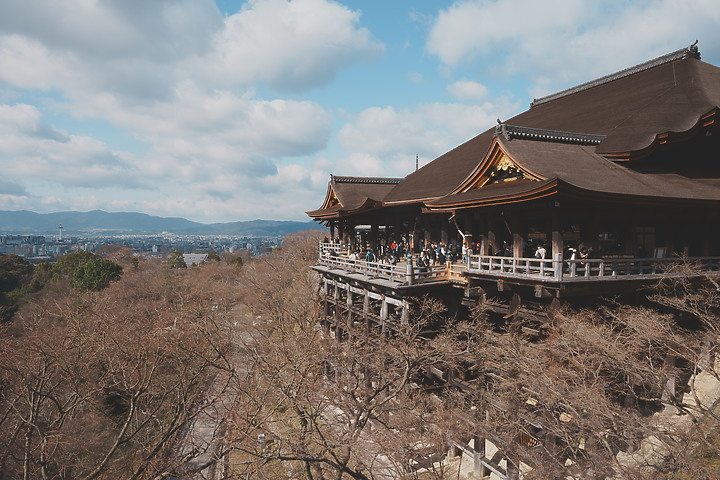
668 394
518 240
543 292
405 315
374 244
514 308
557 239
475 292
513 470
478 455
553 311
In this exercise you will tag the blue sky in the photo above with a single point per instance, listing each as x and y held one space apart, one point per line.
230 110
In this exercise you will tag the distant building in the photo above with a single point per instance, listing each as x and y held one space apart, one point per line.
195 258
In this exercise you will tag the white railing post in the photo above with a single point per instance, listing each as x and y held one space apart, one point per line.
409 274
558 265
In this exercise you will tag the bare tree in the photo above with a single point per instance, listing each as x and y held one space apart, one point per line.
102 383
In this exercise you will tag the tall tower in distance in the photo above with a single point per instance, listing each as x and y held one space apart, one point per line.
60 235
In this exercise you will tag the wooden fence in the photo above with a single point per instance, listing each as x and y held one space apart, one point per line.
549 270
558 269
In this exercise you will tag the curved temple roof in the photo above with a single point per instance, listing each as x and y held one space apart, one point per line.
353 194
577 169
574 139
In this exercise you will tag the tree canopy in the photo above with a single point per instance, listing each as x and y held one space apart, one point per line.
13 270
95 275
177 260
66 264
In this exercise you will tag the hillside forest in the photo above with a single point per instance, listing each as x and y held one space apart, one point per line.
116 366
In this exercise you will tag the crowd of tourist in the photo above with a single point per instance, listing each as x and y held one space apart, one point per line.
393 251
430 254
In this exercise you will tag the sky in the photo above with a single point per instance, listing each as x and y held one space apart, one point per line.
229 110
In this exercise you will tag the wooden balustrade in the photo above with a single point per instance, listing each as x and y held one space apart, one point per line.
557 269
333 255
549 270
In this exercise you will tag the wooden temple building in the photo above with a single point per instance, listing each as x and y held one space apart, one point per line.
615 182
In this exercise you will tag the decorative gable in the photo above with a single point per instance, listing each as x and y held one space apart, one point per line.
505 170
496 167
331 199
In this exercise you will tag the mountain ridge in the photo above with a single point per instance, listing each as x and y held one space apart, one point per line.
100 222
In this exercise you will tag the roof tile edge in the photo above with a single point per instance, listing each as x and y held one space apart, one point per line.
375 180
529 133
688 52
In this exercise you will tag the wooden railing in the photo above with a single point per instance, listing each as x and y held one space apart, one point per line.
333 255
371 269
335 248
557 269
549 270
514 267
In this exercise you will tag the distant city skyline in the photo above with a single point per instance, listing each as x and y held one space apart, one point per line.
229 110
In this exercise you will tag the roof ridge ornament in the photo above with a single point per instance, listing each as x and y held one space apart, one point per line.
559 136
377 180
691 51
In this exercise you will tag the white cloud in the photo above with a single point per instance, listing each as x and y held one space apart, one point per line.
12 189
561 42
289 45
396 136
213 171
33 150
78 47
181 78
468 91
140 51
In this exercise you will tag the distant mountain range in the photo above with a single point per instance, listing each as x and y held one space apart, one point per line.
98 222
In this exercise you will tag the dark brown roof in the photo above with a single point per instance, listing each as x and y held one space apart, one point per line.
353 194
630 110
498 193
581 167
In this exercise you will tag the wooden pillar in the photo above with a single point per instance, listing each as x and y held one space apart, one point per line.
348 233
374 237
515 303
332 231
490 244
478 455
556 226
518 239
513 470
669 390
366 303
349 308
477 226
383 315
443 229
326 304
336 314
